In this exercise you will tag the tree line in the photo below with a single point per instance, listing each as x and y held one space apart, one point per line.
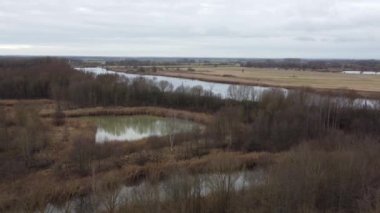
322 65
55 79
279 121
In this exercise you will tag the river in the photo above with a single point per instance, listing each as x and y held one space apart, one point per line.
224 90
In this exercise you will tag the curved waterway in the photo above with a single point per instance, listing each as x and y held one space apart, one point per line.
222 89
136 127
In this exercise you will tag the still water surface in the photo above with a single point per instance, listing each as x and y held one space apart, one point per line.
217 88
221 89
136 127
167 190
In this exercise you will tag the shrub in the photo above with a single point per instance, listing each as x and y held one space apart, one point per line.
82 154
316 178
58 117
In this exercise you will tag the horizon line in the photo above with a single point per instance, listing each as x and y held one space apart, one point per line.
185 57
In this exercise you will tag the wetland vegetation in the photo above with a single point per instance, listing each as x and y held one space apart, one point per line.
319 152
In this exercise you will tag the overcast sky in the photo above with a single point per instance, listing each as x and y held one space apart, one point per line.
192 28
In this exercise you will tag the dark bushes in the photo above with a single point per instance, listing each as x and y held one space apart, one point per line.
111 91
35 78
285 121
21 142
54 79
333 174
279 121
4 132
86 155
58 117
82 155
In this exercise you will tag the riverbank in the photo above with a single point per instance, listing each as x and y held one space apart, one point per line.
321 82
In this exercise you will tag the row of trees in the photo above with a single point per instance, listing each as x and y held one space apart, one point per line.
36 78
278 121
54 79
304 64
22 138
108 90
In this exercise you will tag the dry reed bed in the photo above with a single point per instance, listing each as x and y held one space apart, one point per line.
9 102
155 111
45 186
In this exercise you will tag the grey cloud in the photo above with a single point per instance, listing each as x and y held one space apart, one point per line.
240 28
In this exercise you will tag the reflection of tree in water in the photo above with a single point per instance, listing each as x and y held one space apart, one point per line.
142 124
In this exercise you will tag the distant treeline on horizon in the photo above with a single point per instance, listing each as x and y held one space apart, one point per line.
333 65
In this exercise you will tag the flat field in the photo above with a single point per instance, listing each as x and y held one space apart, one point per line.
363 84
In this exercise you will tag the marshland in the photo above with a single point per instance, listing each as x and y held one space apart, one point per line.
81 139
201 106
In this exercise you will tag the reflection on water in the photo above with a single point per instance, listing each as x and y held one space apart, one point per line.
131 128
217 88
233 91
177 186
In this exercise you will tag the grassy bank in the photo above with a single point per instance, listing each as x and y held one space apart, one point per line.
203 118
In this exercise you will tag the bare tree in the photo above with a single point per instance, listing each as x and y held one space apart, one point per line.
110 195
170 129
58 116
239 92
165 86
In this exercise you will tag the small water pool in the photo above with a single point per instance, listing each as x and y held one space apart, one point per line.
137 127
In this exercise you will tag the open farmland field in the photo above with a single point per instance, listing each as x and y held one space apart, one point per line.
365 85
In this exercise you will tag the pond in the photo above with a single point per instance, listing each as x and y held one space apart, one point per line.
136 127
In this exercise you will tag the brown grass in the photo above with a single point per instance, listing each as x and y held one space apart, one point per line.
41 187
36 102
139 160
156 111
